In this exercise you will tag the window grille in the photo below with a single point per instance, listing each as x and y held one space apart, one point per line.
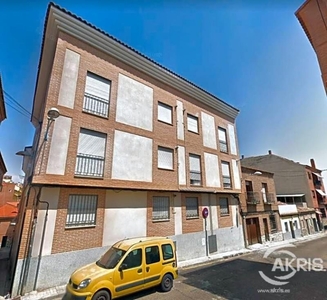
160 208
224 207
192 207
273 226
81 210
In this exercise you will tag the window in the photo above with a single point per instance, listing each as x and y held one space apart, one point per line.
264 191
192 124
81 210
152 255
96 96
165 158
286 226
160 208
132 260
313 194
192 207
195 169
224 207
222 136
90 153
167 251
227 182
273 225
295 224
165 113
309 175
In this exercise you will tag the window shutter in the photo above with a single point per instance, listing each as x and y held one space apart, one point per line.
164 113
222 134
91 143
165 158
195 163
192 123
225 169
97 86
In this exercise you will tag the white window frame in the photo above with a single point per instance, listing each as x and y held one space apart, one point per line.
190 123
222 137
195 171
163 111
160 208
81 210
163 153
227 179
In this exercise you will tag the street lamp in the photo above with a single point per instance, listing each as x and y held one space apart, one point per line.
53 114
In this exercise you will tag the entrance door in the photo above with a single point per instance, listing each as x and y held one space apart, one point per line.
252 227
265 224
315 224
4 241
306 220
292 229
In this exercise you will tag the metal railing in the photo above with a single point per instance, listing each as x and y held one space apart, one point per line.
195 178
252 197
95 105
89 165
270 198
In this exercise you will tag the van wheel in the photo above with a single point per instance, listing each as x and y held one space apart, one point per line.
101 295
166 283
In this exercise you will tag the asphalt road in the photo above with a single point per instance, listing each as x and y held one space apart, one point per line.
239 278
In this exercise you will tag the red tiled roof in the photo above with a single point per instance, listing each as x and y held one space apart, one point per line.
9 210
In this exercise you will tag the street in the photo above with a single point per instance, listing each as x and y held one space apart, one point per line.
239 278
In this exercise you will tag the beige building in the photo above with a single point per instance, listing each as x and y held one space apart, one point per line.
129 149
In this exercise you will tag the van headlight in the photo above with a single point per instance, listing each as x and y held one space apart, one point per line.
84 283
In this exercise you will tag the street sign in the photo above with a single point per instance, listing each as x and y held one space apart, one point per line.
205 212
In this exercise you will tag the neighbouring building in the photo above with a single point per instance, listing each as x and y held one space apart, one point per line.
136 151
312 16
259 207
10 191
8 214
308 220
295 183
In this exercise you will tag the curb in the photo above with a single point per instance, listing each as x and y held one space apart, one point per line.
59 291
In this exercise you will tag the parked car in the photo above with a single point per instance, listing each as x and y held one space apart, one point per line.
129 266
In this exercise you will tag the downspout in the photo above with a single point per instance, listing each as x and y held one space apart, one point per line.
42 241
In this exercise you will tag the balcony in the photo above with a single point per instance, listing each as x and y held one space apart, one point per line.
252 197
89 165
95 105
270 198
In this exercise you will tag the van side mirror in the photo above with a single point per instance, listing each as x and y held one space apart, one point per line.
122 267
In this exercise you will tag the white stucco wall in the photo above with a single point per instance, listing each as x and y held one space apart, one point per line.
59 146
50 195
211 170
236 173
134 103
288 220
125 216
232 140
180 120
132 157
209 131
287 209
181 165
68 83
177 209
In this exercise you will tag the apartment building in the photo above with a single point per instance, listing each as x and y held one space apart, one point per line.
259 206
295 183
312 16
123 147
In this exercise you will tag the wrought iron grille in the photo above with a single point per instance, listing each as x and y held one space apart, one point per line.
192 207
95 105
160 208
89 165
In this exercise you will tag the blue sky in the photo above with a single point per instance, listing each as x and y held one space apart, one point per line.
252 54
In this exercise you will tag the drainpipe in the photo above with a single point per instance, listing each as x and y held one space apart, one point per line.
41 245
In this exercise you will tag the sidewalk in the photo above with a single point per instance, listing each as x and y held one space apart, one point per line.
58 291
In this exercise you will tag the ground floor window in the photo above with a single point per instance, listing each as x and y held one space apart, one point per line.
160 208
273 225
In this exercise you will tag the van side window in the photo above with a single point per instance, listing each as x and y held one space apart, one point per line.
167 251
152 255
133 259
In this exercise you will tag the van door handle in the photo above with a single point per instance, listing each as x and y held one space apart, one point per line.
139 271
147 269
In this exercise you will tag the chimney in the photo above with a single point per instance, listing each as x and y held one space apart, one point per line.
313 164
269 152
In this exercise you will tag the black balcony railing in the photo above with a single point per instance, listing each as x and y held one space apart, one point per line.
252 197
89 165
95 105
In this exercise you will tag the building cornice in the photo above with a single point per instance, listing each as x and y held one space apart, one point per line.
59 19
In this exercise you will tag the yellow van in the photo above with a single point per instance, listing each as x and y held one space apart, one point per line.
128 266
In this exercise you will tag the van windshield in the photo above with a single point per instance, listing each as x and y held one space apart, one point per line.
111 258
